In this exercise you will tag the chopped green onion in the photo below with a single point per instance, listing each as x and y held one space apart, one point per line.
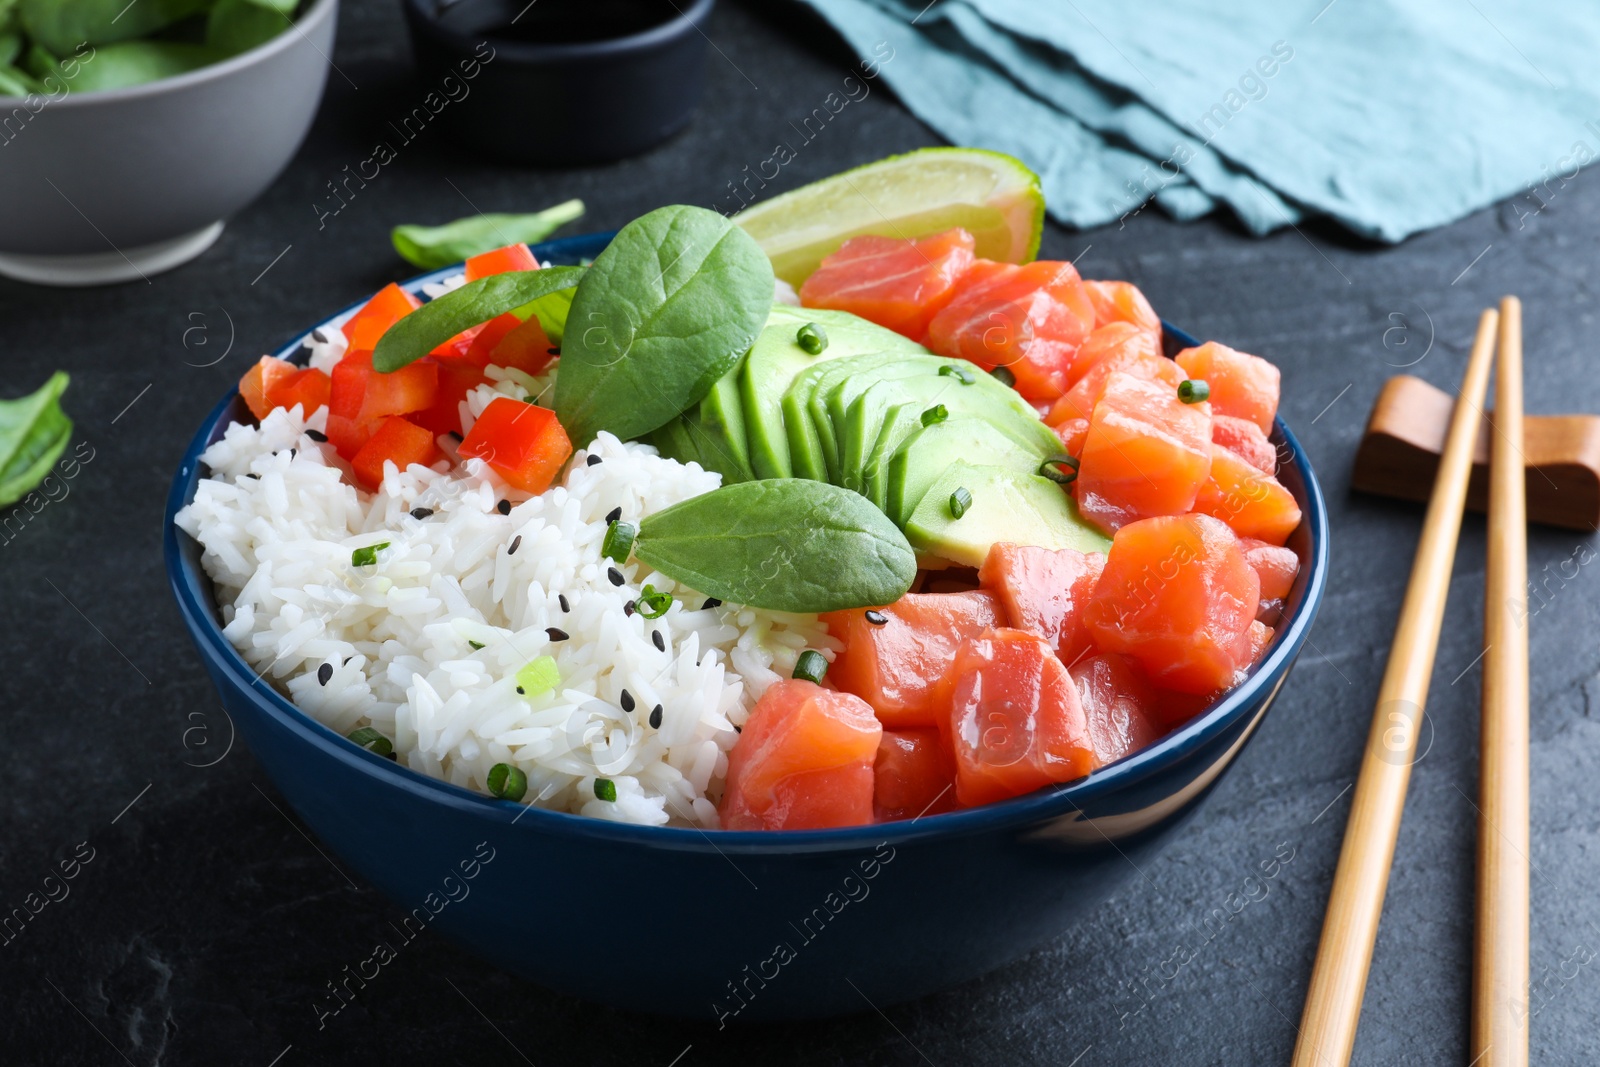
605 789
365 557
812 338
507 782
476 645
811 666
960 374
372 741
1004 376
937 413
653 603
539 676
1052 468
1193 390
960 501
619 541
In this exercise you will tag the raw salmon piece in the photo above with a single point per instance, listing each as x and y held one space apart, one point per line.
1260 638
1274 565
1014 722
897 667
1147 453
1030 319
1109 340
1242 385
898 284
1135 359
1072 434
1244 439
915 775
1123 302
1118 704
1172 710
803 762
1044 591
1179 597
1251 502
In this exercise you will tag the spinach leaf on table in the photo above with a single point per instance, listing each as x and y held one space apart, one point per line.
34 431
435 322
666 310
432 247
62 25
784 544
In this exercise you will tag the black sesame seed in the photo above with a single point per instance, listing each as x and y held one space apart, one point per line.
457 436
627 700
318 436
293 452
877 618
562 597
659 641
613 515
324 673
552 351
421 513
738 729
521 690
628 609
557 634
347 659
255 477
655 717
504 507
711 602
318 336
516 543
615 576
592 460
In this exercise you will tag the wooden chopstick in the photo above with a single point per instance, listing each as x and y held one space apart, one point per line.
1500 972
1339 976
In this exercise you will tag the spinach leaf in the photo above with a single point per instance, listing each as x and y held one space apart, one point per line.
435 322
665 310
432 247
34 431
10 48
62 25
117 66
236 26
785 544
552 311
14 82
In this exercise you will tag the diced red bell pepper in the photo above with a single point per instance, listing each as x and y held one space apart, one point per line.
457 378
526 348
501 260
398 441
458 346
360 397
524 443
260 381
387 307
915 775
489 335
309 388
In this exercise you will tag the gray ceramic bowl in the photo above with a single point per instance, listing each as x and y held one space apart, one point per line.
118 185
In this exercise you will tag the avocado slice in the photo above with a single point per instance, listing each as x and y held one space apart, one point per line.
813 440
1006 506
775 360
711 434
837 392
929 451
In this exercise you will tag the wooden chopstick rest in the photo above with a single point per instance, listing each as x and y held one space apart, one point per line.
1399 455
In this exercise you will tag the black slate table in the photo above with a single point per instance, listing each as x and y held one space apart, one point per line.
206 923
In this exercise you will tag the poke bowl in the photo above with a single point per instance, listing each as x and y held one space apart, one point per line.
731 925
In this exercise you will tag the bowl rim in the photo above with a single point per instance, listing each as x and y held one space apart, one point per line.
690 15
190 587
319 11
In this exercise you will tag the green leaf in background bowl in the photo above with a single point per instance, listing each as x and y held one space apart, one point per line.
62 25
117 66
15 82
236 26
34 431
432 247
10 47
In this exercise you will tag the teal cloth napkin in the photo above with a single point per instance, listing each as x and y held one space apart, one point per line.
1390 117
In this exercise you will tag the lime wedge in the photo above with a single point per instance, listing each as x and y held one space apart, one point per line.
992 195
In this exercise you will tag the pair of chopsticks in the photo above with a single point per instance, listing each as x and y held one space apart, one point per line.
1333 1003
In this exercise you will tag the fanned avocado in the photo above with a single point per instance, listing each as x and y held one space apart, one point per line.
813 439
1006 506
712 434
929 451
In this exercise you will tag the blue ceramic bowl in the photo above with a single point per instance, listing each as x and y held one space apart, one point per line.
737 925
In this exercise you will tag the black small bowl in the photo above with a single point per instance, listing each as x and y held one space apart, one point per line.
562 81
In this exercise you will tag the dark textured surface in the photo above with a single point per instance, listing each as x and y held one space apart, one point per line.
205 926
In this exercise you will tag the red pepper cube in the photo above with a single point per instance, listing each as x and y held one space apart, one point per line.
309 388
387 307
359 392
526 348
457 378
489 336
501 261
523 443
259 382
399 441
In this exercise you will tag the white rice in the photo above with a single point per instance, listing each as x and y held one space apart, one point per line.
398 635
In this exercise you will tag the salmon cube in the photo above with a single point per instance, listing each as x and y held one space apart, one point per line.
896 283
1030 319
1123 302
804 761
1274 565
897 666
1147 453
1135 358
1118 703
1014 719
1044 591
1251 502
1242 385
1244 439
1178 596
915 775
1110 340
1073 432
